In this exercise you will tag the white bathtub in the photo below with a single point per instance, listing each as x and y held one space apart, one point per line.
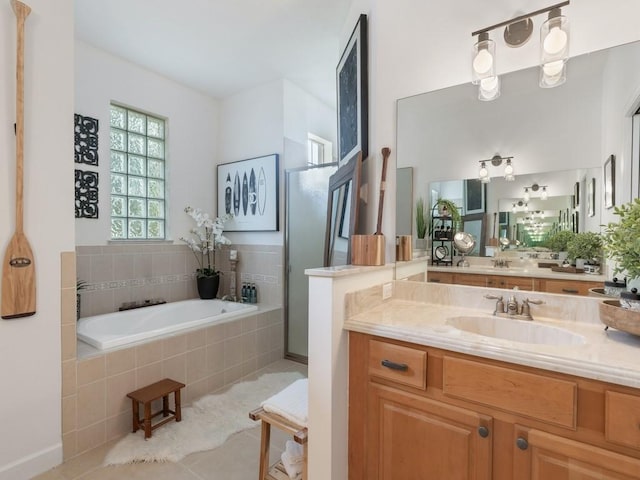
132 326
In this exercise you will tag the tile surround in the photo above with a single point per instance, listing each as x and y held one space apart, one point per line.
116 274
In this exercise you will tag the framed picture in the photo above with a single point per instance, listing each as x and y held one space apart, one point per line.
610 182
248 189
576 193
474 196
352 93
591 197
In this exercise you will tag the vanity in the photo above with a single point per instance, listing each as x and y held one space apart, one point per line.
530 279
439 388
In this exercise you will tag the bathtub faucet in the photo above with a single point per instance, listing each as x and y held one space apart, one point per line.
231 298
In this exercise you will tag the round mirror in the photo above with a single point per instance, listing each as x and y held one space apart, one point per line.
464 243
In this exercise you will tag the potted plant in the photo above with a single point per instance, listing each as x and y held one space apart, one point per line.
80 285
421 223
205 238
559 240
447 208
621 241
585 247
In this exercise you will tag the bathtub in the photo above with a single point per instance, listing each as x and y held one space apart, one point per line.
133 326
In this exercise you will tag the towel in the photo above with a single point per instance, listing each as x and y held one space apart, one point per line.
290 403
293 460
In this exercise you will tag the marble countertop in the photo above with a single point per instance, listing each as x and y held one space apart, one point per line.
610 356
524 271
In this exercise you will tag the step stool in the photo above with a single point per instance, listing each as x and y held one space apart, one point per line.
297 431
146 395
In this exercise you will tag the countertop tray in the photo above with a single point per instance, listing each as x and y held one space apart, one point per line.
567 269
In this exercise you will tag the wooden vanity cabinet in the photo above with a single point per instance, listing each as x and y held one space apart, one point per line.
567 287
435 414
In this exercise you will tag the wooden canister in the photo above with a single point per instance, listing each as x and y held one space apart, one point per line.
367 250
403 248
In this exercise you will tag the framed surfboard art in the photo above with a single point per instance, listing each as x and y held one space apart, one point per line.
248 189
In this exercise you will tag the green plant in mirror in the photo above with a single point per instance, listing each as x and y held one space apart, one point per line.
447 208
421 219
585 245
558 241
621 240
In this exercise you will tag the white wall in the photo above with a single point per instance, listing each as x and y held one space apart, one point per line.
417 46
272 118
30 351
192 135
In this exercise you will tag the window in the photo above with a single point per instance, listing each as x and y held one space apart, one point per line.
319 150
137 175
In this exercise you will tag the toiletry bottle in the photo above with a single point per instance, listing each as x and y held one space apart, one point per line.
254 293
244 293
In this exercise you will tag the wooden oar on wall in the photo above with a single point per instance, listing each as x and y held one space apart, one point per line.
18 268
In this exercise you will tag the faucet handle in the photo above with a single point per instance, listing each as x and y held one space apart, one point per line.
535 302
492 297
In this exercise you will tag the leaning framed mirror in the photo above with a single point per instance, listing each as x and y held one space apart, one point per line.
342 212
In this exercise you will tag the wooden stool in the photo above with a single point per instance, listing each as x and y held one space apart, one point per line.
277 471
148 394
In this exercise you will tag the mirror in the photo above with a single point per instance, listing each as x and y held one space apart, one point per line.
557 137
342 212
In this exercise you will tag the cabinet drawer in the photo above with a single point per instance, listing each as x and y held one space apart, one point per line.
567 287
622 419
439 277
401 364
543 398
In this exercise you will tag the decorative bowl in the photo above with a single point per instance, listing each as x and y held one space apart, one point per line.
613 315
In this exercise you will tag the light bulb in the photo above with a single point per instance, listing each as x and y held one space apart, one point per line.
526 207
483 171
544 195
553 69
514 209
555 41
508 172
489 88
526 194
483 61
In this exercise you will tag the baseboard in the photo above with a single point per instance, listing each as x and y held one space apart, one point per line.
32 465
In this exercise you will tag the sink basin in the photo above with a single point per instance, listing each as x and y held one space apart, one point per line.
521 331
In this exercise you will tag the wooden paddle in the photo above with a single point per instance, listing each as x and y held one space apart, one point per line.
385 156
493 241
18 269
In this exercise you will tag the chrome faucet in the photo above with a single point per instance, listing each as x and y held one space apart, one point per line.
513 310
501 262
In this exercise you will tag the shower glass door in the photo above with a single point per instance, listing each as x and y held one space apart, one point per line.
306 191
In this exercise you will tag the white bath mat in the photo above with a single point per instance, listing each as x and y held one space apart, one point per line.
205 425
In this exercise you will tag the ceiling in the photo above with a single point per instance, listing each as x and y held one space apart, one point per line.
222 47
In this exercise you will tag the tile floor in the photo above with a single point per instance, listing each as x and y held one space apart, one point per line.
237 459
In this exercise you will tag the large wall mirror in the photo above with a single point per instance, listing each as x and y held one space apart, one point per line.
559 138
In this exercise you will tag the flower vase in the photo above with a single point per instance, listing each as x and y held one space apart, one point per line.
208 287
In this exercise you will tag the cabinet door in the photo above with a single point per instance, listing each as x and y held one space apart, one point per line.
471 279
414 438
543 456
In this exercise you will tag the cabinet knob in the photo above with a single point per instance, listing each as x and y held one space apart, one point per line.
483 432
403 367
522 443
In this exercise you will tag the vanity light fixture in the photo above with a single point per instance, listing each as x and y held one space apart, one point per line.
496 161
534 188
554 50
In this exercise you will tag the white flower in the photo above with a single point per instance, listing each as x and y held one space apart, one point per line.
205 237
